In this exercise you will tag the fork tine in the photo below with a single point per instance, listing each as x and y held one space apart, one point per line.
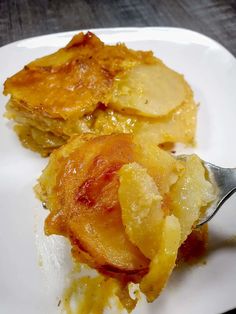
224 180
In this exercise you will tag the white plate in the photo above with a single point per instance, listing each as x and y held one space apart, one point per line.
33 268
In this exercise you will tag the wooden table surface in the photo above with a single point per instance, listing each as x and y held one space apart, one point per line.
26 18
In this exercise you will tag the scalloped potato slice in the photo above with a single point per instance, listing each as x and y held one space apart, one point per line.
190 194
141 210
163 263
149 90
80 186
160 165
177 127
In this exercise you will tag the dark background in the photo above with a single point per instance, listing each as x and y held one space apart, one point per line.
25 18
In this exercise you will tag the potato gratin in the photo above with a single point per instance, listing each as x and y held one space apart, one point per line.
92 87
126 205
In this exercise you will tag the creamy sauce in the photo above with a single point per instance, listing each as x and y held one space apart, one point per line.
90 292
90 295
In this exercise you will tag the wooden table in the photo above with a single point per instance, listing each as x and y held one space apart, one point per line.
25 18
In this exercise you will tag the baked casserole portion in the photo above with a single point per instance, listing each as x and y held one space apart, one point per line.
128 207
88 86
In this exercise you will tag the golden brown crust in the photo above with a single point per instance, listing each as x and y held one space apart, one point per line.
75 79
71 92
85 206
127 207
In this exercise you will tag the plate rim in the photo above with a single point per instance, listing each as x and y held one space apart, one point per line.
125 29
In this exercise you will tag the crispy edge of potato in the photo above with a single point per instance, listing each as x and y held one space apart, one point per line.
47 181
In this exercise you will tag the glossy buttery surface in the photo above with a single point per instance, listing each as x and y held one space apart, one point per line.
33 268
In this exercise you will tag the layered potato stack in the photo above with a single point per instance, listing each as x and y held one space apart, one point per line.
125 205
92 87
128 207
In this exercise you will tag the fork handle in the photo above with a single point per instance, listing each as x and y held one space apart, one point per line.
224 178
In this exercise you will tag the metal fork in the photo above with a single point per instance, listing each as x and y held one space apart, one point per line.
225 183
